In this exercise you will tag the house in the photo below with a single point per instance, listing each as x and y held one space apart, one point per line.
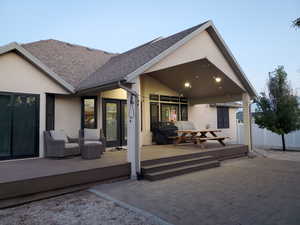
49 84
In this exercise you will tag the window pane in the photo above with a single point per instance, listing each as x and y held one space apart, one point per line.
169 113
153 114
184 112
111 121
223 117
89 113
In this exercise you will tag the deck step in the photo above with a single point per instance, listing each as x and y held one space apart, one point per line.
175 164
218 154
180 170
233 156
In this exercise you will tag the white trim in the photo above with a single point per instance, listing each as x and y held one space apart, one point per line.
166 52
233 58
15 46
171 49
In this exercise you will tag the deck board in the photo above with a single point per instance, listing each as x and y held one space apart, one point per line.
30 176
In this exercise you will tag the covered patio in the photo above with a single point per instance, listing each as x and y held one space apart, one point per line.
194 64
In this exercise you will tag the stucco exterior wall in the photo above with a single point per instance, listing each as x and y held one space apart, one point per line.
149 86
68 114
199 47
203 115
18 75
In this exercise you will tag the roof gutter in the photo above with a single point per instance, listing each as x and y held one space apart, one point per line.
108 86
127 89
104 87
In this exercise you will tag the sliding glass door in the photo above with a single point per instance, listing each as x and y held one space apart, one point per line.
19 125
5 125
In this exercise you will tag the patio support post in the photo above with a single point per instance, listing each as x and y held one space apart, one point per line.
247 122
133 137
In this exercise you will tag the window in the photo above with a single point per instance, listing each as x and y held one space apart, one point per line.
223 117
50 111
184 112
169 112
89 112
154 117
167 109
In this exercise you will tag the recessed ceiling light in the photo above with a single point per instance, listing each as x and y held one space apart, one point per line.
218 79
187 84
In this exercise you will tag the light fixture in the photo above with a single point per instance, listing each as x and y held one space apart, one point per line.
218 79
187 84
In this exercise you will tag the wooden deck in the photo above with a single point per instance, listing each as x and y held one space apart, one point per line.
30 176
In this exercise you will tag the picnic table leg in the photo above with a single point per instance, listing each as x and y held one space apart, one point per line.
180 139
202 135
193 137
219 140
222 142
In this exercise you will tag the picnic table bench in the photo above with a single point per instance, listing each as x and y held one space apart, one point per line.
199 136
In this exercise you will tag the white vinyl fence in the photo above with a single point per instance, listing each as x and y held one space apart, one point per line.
263 138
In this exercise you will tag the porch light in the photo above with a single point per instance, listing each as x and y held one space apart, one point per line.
187 84
218 79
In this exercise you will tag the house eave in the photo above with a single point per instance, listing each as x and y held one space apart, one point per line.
101 87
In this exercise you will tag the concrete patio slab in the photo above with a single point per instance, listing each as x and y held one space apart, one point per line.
245 191
279 155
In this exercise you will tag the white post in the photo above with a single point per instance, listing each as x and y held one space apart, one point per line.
133 139
42 124
247 122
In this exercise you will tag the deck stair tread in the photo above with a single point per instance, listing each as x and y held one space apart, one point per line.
181 170
177 163
235 150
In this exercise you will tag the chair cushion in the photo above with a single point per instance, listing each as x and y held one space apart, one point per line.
91 134
92 142
71 145
59 135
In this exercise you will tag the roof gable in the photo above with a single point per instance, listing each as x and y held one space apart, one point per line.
71 62
133 63
120 66
199 47
35 61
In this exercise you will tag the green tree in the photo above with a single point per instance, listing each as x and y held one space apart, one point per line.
278 109
296 22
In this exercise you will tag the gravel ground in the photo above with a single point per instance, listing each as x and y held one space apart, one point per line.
72 209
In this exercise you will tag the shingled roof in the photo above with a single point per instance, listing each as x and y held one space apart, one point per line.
121 65
73 63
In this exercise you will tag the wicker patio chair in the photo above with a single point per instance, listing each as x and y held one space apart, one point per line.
57 144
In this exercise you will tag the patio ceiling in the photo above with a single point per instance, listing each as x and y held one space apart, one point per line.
201 75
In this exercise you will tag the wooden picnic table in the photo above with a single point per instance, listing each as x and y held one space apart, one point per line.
199 136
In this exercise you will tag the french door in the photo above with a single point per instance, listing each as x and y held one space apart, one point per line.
19 125
115 122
